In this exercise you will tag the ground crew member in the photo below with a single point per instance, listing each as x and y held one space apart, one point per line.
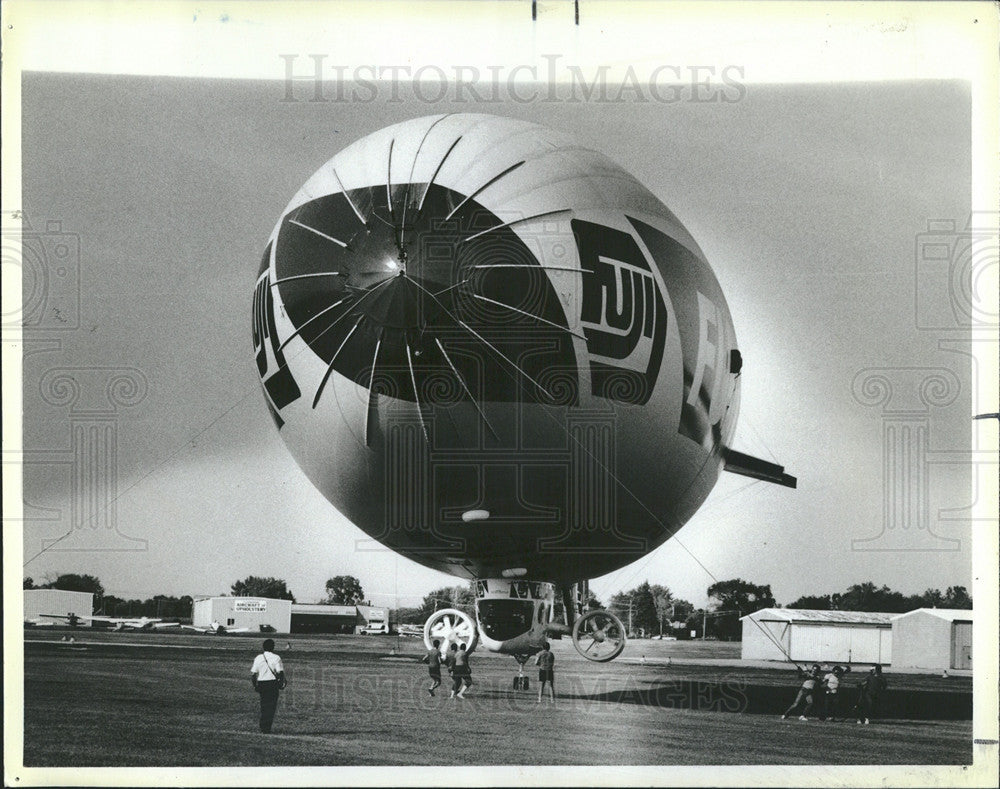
463 672
831 685
805 694
433 661
546 671
869 691
267 677
449 661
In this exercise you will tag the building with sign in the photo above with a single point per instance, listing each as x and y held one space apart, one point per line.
260 614
372 619
821 636
938 638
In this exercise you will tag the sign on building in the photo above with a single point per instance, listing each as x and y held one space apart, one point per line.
250 605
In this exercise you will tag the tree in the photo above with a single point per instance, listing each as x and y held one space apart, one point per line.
460 597
814 602
645 615
620 605
344 590
957 597
741 598
28 583
252 586
664 601
77 583
682 610
868 597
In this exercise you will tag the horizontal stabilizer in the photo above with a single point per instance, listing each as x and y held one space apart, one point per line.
749 466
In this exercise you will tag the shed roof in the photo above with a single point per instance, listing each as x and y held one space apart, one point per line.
813 616
948 614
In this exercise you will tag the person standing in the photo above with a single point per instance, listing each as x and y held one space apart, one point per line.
831 686
433 661
463 671
450 661
872 687
268 678
546 671
806 693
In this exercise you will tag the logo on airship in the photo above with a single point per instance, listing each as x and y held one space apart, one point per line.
622 314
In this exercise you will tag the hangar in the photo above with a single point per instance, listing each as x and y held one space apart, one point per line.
309 618
938 638
256 613
825 636
57 602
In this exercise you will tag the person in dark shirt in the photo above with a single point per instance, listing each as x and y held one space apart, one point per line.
433 661
872 687
546 671
806 694
450 662
463 672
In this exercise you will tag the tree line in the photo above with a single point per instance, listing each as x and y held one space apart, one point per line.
647 610
651 609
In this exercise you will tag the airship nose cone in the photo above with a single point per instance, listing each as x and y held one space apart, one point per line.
399 304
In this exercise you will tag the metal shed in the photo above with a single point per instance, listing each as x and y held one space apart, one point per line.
822 636
938 638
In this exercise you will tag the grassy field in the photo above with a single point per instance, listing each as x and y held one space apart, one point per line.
151 699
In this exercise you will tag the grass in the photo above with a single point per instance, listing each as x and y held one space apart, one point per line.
350 703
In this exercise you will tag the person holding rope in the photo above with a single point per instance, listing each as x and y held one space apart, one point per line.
806 694
830 687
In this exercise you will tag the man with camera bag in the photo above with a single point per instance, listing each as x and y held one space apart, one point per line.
268 677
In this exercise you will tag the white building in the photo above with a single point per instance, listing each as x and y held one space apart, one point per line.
938 638
244 612
372 619
57 602
821 636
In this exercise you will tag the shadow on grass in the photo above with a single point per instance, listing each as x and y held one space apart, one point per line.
738 696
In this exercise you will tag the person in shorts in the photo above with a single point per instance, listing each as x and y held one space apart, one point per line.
433 661
806 695
546 671
463 672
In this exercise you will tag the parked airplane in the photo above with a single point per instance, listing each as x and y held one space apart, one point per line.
216 629
119 623
503 357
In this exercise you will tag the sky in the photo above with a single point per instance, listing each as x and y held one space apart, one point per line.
809 201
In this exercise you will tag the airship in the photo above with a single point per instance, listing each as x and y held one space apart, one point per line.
500 355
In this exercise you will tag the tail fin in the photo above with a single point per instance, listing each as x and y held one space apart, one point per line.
748 466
